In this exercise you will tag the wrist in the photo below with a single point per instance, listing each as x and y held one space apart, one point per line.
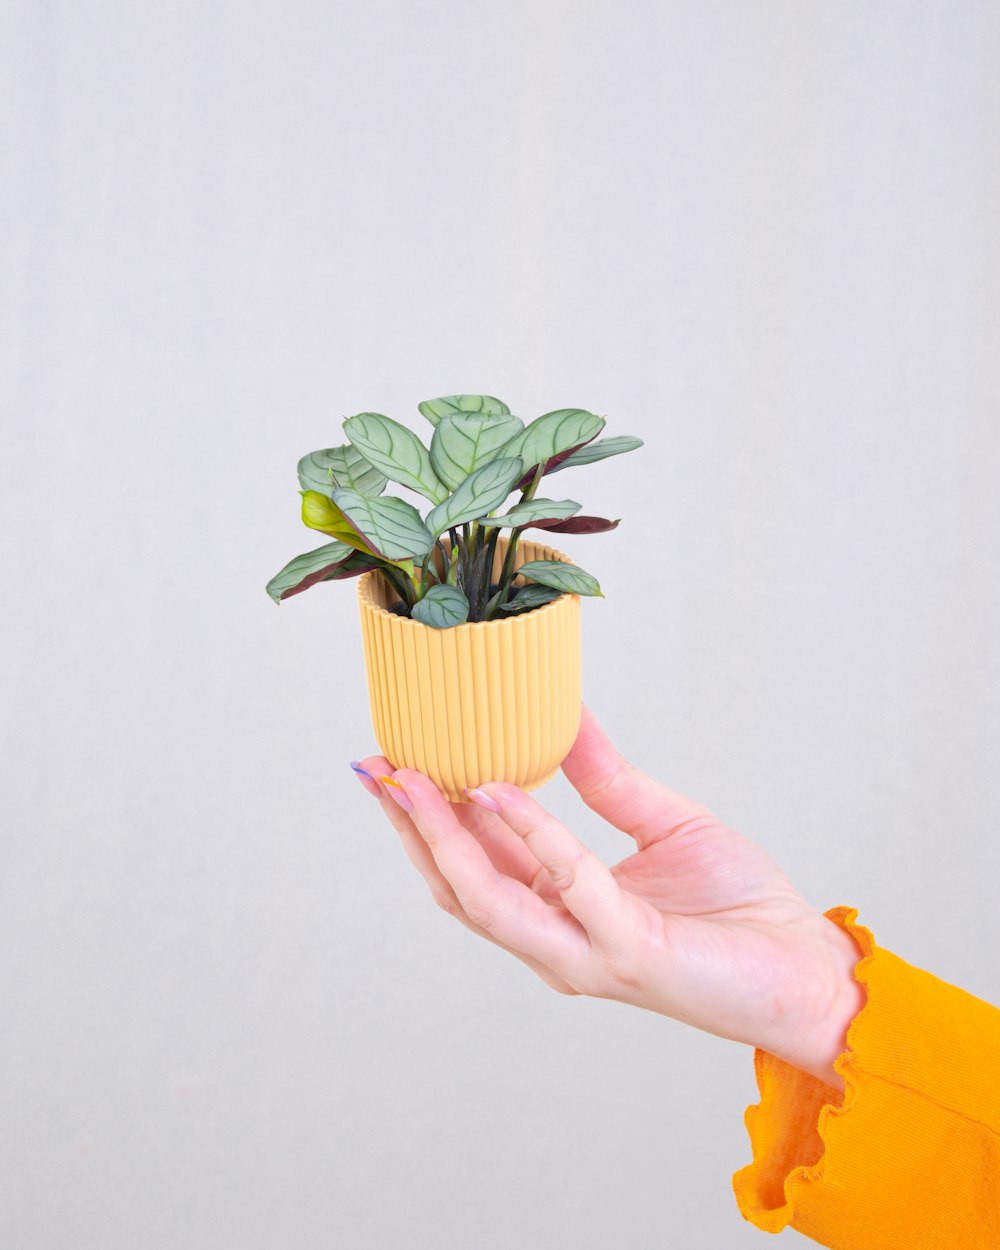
837 999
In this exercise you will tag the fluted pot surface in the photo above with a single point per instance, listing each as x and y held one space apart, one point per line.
488 701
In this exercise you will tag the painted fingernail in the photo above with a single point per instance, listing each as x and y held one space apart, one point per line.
483 799
397 792
366 779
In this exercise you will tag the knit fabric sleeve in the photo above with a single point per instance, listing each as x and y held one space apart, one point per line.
908 1156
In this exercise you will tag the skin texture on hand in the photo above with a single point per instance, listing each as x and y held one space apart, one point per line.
698 923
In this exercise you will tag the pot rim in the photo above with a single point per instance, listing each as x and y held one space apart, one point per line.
365 599
519 618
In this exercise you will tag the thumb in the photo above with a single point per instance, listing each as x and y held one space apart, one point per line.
617 791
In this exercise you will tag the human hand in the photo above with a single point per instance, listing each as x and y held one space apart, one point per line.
698 924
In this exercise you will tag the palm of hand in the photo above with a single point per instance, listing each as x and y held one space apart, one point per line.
734 948
698 924
703 868
716 924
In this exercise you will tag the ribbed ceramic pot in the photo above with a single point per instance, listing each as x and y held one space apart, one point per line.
489 701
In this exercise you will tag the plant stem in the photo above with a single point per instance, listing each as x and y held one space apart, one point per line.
507 572
491 548
425 572
398 582
533 484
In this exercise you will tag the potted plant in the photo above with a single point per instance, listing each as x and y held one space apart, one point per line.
471 633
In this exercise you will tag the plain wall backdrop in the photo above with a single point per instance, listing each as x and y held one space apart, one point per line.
762 236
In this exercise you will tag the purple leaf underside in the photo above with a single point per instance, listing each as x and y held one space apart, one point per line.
351 567
551 463
574 525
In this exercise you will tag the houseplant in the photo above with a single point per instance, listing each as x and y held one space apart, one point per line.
471 634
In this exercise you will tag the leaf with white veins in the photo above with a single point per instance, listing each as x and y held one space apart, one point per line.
392 526
560 576
441 608
326 470
395 451
435 409
479 494
305 570
463 441
532 511
553 434
600 450
530 596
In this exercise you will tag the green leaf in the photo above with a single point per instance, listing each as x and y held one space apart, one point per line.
532 511
321 513
358 563
553 434
324 471
464 441
480 493
560 576
391 526
305 570
435 409
600 450
441 607
395 451
529 597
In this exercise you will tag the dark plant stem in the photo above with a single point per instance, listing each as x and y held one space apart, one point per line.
507 572
491 548
445 560
400 584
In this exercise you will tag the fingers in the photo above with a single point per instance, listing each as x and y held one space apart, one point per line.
585 885
504 907
620 793
419 854
506 850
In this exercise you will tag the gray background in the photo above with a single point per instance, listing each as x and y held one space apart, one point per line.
761 236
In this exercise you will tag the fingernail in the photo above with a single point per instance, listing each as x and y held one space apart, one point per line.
483 799
397 792
367 780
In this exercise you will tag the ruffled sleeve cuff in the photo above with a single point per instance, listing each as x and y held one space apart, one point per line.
909 1154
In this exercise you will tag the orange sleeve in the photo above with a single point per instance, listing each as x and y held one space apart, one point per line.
908 1156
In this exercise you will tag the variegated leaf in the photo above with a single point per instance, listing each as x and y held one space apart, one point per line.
534 511
600 450
395 451
480 493
391 526
435 409
530 596
326 470
305 570
552 435
463 441
441 608
560 576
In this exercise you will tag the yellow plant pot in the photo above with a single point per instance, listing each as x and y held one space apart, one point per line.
490 701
